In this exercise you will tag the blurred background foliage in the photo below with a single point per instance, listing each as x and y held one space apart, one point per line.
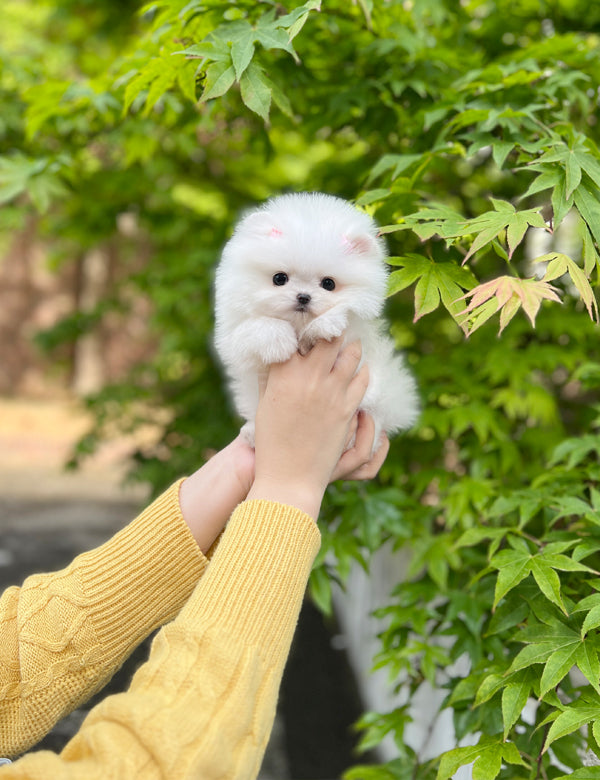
469 129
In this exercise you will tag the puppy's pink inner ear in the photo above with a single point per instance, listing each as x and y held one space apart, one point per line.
259 223
275 232
358 245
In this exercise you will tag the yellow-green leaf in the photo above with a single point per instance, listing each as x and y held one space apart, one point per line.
588 206
436 281
590 256
592 620
256 91
242 50
571 719
560 264
427 295
509 577
220 76
548 582
514 699
489 687
557 667
589 665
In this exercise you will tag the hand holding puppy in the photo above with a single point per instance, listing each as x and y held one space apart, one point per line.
305 417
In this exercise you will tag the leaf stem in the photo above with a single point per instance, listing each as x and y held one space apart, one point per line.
541 772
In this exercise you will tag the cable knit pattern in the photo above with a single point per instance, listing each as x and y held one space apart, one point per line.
203 705
63 635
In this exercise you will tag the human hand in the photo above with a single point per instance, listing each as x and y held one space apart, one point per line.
359 462
303 422
208 497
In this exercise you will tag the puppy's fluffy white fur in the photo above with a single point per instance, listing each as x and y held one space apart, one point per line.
304 267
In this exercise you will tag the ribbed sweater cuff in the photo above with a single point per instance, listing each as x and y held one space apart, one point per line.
257 577
142 576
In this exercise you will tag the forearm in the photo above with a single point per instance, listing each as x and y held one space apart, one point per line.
63 635
203 705
209 496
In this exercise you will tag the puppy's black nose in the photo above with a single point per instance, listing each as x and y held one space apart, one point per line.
303 299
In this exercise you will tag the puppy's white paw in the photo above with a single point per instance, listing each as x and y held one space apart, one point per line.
281 347
327 327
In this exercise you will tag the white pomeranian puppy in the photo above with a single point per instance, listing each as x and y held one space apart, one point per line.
304 267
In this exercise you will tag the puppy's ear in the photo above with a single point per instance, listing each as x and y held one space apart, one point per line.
260 223
362 244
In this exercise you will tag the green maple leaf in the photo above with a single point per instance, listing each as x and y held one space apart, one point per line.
220 76
581 713
38 178
256 91
434 219
558 665
559 648
576 159
514 698
515 565
592 620
488 755
505 217
397 163
242 49
445 282
576 450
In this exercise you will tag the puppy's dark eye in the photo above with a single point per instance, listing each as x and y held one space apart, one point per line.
280 279
328 284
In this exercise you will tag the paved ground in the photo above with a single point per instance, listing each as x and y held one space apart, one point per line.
48 516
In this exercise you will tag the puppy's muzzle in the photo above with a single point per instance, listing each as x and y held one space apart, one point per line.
303 300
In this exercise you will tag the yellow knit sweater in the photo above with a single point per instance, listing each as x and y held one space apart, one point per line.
203 705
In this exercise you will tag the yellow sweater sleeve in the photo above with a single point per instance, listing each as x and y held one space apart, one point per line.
63 635
203 705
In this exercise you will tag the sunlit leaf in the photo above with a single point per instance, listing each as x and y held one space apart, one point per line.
572 718
587 202
396 163
585 773
490 297
437 282
557 666
514 698
256 91
501 150
509 577
559 265
242 50
591 260
591 621
589 665
220 76
491 224
488 756
273 37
